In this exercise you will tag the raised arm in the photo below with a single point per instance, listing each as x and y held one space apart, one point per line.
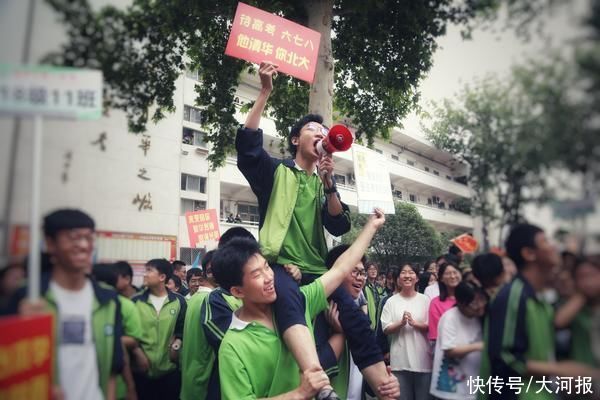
348 260
265 72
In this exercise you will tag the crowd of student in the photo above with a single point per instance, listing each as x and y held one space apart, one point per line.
211 335
286 317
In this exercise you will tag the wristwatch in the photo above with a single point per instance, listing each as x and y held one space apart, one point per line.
332 189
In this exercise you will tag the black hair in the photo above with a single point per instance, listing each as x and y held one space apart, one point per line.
228 261
437 260
369 264
106 273
295 131
442 285
206 259
65 219
176 280
465 292
398 270
336 252
124 269
521 236
593 261
162 266
452 259
423 281
454 250
235 232
487 268
194 272
178 264
427 263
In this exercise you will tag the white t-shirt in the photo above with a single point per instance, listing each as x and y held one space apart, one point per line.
450 375
432 291
77 361
157 302
355 382
409 348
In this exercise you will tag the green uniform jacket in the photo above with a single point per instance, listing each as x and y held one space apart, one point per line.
159 329
197 357
276 188
373 295
518 327
107 328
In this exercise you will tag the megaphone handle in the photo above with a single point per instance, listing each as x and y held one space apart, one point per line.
325 175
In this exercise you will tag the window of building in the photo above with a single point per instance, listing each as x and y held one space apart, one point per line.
410 162
351 180
429 201
248 212
398 194
188 254
426 169
436 172
413 198
394 157
189 205
379 151
193 137
193 183
192 114
341 179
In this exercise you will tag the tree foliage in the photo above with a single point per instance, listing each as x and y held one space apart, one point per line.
512 132
405 237
381 49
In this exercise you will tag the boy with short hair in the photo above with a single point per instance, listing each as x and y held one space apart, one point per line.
124 279
297 200
198 281
253 360
88 321
162 313
179 271
197 357
518 333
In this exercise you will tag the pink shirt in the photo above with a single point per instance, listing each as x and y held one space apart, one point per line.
438 307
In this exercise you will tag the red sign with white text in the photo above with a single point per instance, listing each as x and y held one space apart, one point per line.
202 226
466 242
257 36
26 357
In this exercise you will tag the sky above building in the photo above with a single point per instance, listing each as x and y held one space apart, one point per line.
494 50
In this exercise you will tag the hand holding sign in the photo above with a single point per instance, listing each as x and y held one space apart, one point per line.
266 72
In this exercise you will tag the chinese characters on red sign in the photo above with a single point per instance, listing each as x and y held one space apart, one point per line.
26 357
202 226
258 36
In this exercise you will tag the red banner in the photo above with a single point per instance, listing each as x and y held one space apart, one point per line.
466 242
202 226
26 357
257 36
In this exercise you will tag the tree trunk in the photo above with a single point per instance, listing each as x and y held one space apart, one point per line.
320 15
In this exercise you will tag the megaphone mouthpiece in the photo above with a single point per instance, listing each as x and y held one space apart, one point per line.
339 138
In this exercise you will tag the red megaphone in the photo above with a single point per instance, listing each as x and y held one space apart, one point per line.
339 138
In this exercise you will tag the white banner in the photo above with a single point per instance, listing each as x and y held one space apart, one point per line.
373 186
